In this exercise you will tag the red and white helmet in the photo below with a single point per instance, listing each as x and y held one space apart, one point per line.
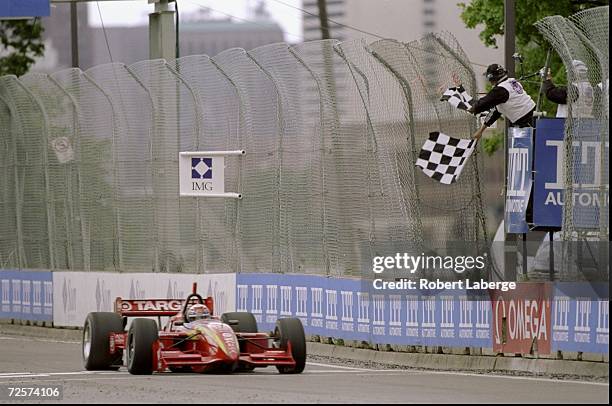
198 312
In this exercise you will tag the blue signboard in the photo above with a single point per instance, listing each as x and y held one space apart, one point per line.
588 158
24 8
548 177
26 295
518 190
350 309
345 308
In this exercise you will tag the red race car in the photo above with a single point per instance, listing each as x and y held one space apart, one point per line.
192 340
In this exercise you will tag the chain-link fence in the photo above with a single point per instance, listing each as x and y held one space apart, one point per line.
582 43
332 130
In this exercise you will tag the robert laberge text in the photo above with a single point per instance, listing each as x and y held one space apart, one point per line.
426 284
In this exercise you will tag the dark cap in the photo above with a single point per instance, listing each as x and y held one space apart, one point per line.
495 72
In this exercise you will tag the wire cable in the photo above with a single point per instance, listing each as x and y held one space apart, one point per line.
356 29
240 18
330 20
104 31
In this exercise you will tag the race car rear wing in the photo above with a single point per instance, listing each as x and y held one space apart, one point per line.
157 307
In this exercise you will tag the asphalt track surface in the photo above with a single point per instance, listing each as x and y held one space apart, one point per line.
28 361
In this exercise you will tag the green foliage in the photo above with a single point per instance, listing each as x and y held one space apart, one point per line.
21 41
493 143
488 15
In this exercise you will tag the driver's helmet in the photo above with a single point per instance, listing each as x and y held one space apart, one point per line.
198 312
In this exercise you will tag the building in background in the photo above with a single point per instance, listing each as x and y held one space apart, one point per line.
403 20
198 34
58 52
196 37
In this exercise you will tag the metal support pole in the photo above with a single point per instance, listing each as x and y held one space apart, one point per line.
74 35
509 35
323 22
524 254
551 256
510 246
162 34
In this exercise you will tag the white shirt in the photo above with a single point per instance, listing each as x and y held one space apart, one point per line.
519 103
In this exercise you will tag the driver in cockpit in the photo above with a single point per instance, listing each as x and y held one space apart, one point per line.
196 313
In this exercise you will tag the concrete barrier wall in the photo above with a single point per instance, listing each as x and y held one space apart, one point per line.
332 307
555 318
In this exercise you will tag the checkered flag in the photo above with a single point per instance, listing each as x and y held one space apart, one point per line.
457 97
442 157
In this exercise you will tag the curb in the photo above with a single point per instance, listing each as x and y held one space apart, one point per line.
50 333
474 363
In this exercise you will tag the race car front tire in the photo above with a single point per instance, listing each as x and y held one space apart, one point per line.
96 341
246 321
141 337
291 330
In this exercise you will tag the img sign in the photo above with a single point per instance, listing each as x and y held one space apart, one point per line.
201 175
588 159
520 153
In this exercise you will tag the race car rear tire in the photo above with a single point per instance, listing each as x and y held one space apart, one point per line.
96 344
141 337
292 330
246 321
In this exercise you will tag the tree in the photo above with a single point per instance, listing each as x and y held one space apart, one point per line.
21 42
529 42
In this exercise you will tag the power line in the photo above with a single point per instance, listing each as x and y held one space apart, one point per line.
104 31
239 18
329 19
357 29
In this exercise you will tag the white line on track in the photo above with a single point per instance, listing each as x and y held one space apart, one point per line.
39 339
317 364
13 373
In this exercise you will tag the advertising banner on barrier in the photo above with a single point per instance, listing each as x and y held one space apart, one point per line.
548 177
342 308
78 293
581 318
521 319
520 158
26 295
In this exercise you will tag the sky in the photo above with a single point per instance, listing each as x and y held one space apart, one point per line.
136 12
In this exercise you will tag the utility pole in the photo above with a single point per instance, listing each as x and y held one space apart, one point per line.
323 21
510 240
74 34
162 36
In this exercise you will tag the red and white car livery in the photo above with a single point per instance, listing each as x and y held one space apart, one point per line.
230 342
